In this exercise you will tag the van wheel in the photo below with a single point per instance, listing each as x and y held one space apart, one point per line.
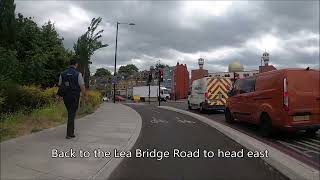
189 106
265 126
228 116
202 110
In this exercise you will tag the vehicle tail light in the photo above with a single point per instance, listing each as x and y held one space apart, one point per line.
206 96
285 95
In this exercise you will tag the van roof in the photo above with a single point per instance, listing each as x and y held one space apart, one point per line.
284 70
281 71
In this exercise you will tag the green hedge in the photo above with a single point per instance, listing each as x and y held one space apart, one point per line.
15 98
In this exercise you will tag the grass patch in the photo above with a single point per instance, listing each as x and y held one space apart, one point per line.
22 123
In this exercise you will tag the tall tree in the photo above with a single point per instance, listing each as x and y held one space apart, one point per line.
128 70
38 55
160 66
8 55
102 72
86 45
7 24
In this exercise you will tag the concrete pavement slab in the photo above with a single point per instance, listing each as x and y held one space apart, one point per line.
112 126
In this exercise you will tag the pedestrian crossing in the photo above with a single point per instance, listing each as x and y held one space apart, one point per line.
309 147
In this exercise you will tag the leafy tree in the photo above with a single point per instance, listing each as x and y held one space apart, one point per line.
7 24
128 69
86 45
102 72
160 66
40 52
9 65
29 54
8 55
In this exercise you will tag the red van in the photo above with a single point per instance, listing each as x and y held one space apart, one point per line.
286 99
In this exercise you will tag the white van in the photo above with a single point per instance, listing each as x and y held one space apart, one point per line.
164 93
209 93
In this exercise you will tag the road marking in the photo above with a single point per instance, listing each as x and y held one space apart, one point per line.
311 143
315 140
186 121
155 111
308 145
139 104
156 121
297 148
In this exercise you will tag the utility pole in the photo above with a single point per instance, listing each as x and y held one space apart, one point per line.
115 60
149 82
115 66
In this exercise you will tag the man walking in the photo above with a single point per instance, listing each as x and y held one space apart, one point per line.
71 84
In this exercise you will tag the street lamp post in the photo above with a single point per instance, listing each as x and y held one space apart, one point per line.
115 61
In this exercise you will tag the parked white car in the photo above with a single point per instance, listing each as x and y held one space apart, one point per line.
105 98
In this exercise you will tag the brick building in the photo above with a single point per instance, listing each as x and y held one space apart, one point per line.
199 73
180 82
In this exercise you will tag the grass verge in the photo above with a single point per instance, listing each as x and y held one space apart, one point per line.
20 123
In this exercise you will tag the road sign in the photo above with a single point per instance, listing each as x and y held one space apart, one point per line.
114 81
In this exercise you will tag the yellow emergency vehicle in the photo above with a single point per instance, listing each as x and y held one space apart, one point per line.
209 93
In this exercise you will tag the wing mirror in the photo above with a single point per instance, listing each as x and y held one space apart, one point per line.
231 93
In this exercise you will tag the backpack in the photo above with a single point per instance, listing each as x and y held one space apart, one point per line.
69 83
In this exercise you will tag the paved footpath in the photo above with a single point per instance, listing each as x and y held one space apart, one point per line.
112 126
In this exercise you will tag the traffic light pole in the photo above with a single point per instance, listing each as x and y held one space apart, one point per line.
159 92
149 93
160 79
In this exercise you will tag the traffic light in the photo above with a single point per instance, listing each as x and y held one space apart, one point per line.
149 78
161 75
236 75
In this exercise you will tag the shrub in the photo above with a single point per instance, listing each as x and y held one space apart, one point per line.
51 94
2 99
14 98
32 97
10 95
93 97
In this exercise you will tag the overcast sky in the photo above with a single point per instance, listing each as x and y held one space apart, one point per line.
183 31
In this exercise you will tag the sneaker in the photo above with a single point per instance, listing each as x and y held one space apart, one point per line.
69 137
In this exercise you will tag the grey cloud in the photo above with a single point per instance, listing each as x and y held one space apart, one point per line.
158 30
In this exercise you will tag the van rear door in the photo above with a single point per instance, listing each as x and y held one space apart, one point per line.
303 92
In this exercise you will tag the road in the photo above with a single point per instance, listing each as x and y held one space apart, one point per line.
166 130
298 145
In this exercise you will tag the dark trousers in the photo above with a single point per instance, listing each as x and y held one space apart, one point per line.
71 102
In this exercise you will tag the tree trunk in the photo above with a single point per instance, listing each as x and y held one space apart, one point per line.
87 77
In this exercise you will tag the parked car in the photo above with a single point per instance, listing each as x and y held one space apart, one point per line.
120 98
105 98
209 93
285 99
